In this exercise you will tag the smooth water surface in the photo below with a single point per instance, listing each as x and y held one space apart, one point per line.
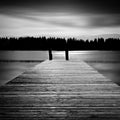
14 63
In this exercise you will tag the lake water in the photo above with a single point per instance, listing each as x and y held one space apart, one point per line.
14 63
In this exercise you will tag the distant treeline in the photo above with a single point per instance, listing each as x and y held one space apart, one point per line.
43 43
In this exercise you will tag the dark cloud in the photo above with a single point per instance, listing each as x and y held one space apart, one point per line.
106 20
98 13
93 19
94 6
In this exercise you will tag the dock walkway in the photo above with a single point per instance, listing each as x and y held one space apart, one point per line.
60 90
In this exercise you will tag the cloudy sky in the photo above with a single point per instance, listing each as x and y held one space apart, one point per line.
59 18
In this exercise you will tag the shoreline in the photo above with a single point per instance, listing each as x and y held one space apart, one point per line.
14 63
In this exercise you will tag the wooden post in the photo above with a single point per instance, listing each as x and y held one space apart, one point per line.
66 51
50 54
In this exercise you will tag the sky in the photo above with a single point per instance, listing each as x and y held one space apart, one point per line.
59 18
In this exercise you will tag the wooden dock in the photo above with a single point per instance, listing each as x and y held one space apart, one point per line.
60 90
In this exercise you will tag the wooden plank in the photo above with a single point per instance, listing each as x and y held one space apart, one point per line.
60 90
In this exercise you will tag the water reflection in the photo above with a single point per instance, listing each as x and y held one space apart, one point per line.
108 69
106 62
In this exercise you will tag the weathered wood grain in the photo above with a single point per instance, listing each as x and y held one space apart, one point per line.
60 90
